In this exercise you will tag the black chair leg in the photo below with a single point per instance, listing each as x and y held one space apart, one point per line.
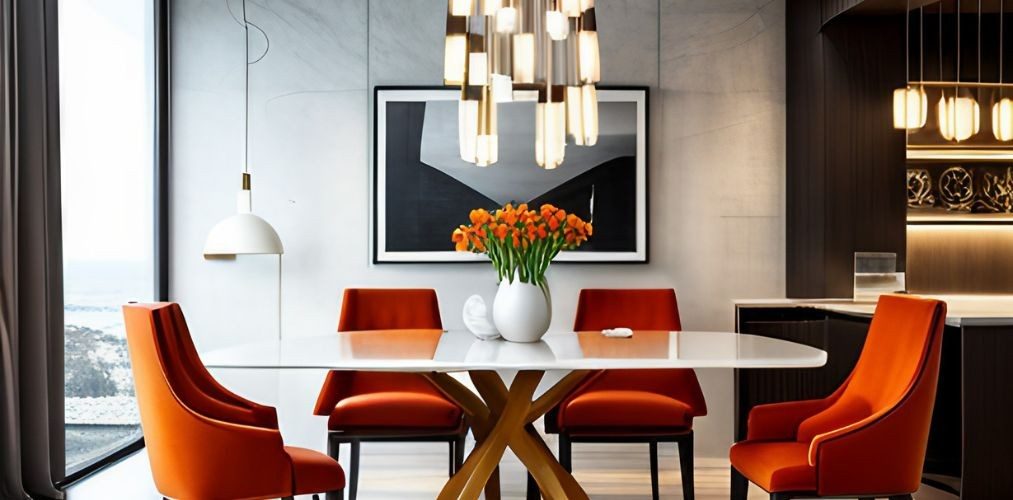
533 492
654 470
901 497
452 449
780 496
334 451
459 453
686 467
564 452
353 471
740 486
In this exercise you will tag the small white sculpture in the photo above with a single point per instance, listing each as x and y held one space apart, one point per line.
476 318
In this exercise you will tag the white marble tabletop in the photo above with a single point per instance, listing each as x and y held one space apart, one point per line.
459 350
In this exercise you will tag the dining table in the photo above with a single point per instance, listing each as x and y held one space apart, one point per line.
501 416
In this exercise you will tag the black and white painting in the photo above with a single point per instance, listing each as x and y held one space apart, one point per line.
423 189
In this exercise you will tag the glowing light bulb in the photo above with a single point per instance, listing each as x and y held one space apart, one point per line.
524 58
478 69
1002 119
910 108
486 141
454 54
461 7
502 88
571 8
506 20
582 115
550 134
489 7
467 129
556 25
959 118
587 52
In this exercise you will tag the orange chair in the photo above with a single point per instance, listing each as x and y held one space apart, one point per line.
399 407
868 438
631 406
202 440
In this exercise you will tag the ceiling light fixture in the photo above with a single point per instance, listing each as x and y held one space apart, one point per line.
910 104
496 47
1002 110
959 115
244 232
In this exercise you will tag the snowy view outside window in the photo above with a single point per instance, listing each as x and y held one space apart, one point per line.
107 126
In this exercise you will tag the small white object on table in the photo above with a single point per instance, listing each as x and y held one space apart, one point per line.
622 333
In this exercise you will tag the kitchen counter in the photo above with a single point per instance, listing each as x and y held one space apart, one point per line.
961 310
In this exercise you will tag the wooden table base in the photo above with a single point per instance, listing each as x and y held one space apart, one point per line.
502 418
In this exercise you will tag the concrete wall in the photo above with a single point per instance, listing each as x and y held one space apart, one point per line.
716 166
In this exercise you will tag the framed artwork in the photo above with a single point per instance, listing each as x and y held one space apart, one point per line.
422 189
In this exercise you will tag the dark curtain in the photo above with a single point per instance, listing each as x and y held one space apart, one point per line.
31 283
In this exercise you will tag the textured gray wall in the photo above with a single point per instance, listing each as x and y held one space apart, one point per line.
716 169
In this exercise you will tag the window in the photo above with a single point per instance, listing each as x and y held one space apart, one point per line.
107 128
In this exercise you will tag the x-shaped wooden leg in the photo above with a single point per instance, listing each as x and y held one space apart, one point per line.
504 420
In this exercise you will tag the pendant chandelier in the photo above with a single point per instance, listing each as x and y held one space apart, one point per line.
496 47
959 115
1002 110
910 104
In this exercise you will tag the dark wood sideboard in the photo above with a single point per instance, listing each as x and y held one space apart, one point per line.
970 449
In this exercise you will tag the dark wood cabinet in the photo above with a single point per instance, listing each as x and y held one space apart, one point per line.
842 336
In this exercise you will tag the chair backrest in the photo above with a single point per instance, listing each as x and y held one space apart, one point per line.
389 309
645 309
897 349
638 309
365 309
192 453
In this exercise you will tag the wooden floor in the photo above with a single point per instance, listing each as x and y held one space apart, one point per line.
391 471
607 472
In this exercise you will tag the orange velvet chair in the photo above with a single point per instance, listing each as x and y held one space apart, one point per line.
868 438
623 406
203 441
400 407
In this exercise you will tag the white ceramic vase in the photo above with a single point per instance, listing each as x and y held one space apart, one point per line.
522 311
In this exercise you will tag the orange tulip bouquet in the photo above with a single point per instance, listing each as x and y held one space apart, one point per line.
521 244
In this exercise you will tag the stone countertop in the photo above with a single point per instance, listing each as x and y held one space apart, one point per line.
961 310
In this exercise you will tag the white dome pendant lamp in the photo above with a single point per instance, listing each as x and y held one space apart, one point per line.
245 233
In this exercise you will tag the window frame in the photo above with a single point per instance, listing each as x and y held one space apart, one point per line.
160 188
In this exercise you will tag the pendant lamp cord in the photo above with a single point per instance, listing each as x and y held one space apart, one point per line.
907 44
246 24
246 93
